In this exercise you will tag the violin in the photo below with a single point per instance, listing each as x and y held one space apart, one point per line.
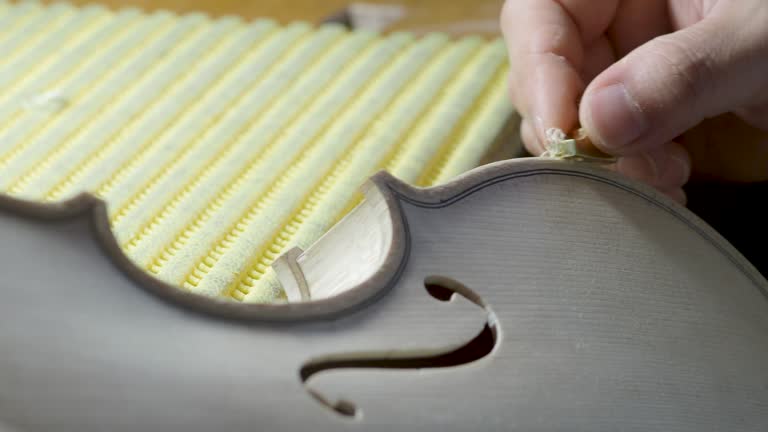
525 295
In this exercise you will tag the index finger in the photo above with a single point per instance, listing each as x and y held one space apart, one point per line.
545 41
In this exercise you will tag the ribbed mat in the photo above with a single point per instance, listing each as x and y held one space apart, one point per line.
217 143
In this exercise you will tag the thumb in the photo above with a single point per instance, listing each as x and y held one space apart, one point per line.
670 84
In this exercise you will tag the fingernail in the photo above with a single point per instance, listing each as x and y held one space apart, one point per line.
673 168
679 170
616 117
661 167
529 138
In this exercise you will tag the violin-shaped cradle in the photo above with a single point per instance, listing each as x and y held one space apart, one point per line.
595 304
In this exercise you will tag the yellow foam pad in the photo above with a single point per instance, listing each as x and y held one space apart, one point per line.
218 143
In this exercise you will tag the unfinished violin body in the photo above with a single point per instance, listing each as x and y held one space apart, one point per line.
526 295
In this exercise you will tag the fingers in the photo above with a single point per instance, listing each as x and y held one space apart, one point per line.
672 83
677 195
598 57
545 39
756 116
636 22
530 141
726 148
667 167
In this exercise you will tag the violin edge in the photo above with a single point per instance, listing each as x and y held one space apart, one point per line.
389 192
93 211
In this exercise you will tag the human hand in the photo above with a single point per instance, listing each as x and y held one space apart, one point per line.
672 87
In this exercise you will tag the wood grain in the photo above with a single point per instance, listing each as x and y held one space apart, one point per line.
610 308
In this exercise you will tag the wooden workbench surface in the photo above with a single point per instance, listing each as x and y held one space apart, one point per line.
456 16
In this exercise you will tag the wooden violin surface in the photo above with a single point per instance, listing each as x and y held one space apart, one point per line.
526 295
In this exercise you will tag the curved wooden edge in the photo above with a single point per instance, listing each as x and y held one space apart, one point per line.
393 192
488 175
94 210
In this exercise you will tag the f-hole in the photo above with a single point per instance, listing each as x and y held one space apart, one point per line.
442 289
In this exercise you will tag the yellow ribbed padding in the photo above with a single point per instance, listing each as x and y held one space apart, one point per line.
219 143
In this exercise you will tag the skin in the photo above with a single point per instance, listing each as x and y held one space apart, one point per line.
677 89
